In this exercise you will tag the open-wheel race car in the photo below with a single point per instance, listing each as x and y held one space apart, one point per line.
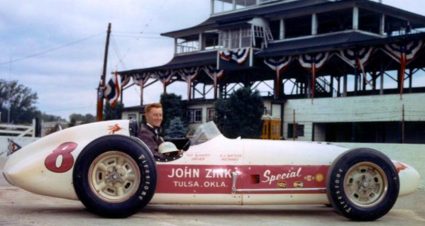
115 174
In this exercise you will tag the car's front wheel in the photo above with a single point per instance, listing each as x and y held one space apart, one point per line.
362 184
114 176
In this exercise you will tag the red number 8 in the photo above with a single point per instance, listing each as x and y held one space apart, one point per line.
67 162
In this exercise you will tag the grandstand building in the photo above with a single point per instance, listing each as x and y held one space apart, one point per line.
336 71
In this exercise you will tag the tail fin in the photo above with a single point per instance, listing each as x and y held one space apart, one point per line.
12 147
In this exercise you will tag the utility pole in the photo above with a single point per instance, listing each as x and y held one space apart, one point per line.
100 98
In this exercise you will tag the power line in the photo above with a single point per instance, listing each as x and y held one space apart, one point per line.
146 25
43 52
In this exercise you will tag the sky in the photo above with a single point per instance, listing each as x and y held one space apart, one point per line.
56 47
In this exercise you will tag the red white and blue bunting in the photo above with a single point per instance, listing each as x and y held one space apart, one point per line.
398 51
125 80
278 65
356 58
403 53
166 78
189 74
313 62
112 90
142 79
215 75
239 55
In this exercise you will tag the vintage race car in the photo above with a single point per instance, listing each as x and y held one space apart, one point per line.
115 174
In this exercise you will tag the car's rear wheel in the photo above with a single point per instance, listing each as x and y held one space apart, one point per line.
114 176
362 184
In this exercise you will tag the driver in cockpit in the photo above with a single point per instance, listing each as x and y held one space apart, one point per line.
149 133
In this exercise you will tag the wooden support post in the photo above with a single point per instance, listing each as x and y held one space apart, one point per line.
402 125
382 74
294 126
344 90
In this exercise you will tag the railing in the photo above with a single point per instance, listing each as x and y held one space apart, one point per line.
18 130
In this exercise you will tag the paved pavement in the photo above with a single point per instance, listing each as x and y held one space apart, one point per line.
18 207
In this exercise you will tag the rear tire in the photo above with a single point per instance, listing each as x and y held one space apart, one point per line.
114 176
362 184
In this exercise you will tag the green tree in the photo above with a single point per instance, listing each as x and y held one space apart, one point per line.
49 118
111 113
173 107
17 102
78 119
240 115
176 129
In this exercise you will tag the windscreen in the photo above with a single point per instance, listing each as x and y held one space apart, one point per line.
204 133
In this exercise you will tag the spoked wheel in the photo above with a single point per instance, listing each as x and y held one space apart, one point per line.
362 184
114 176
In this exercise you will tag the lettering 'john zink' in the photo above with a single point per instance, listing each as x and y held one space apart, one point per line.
186 172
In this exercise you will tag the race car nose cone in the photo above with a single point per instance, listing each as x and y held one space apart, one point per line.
5 175
9 174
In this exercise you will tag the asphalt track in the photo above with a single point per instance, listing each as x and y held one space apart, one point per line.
19 207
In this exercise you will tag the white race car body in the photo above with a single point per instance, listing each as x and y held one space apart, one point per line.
218 171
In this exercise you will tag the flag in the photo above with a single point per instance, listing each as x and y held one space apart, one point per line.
112 90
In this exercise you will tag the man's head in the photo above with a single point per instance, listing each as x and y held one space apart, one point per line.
153 114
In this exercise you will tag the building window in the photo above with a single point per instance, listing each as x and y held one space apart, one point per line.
240 4
266 1
220 6
328 24
298 27
299 130
195 115
211 41
188 44
211 114
236 38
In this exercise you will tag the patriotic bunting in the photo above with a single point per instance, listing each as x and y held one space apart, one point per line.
278 65
213 72
356 58
403 53
112 90
165 77
142 80
397 51
215 75
125 79
239 55
313 62
316 59
188 74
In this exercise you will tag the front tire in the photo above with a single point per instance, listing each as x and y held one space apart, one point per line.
363 184
114 176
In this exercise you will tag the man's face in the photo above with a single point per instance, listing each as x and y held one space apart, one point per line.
154 117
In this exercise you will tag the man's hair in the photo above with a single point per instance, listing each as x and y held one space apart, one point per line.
149 107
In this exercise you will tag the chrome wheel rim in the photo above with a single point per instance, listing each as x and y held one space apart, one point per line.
114 176
365 184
